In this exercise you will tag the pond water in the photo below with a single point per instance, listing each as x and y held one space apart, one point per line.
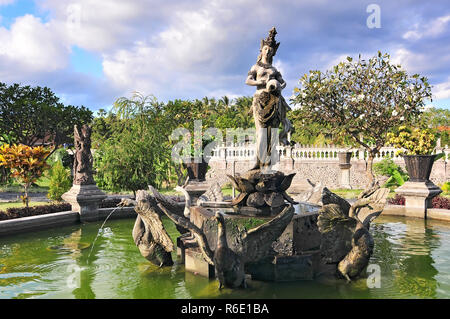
413 256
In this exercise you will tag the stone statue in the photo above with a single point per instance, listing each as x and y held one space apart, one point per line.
347 244
83 160
252 246
269 106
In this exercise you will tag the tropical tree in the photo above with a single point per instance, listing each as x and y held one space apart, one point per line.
362 100
139 154
26 163
33 114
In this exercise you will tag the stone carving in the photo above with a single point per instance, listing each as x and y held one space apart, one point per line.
83 160
149 234
261 193
269 106
346 241
253 245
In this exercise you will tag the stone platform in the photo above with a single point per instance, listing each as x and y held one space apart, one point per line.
295 256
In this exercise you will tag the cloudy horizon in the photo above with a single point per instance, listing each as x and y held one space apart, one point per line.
92 52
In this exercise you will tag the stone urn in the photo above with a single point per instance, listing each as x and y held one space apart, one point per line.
419 167
344 159
418 190
196 171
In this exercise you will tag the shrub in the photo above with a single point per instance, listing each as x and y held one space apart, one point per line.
387 167
446 187
397 200
437 202
25 162
441 202
60 181
18 212
416 141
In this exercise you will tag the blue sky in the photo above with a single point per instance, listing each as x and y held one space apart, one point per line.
92 52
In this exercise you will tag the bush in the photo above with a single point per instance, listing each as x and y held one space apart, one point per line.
397 200
437 202
18 212
446 187
387 167
60 181
441 202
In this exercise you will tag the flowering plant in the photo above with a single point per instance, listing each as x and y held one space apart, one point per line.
415 142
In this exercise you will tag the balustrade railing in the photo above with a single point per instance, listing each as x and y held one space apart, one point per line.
246 151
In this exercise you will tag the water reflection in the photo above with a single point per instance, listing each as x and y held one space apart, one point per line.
413 254
404 250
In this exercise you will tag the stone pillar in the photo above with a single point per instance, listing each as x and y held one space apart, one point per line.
85 199
418 196
344 167
84 196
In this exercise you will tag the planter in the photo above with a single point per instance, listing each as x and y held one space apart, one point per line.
344 159
419 167
196 171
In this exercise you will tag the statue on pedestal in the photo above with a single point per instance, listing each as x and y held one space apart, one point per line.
269 106
83 160
84 196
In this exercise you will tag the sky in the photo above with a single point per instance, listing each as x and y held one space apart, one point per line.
91 52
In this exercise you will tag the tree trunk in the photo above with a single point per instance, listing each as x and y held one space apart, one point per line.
369 169
26 186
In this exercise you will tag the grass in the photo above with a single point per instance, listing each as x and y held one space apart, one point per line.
4 206
353 193
41 186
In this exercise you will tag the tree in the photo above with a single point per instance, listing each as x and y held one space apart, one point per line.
26 163
31 114
437 120
139 154
362 100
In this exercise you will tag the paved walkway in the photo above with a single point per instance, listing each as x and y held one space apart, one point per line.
6 197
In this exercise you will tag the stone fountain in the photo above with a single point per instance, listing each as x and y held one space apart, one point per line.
263 232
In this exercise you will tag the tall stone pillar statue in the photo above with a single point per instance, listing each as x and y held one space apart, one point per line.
84 196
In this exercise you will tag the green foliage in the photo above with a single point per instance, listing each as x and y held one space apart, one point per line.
387 167
29 114
139 154
415 142
60 181
446 187
362 100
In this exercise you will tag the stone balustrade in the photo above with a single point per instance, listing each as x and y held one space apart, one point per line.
246 151
316 163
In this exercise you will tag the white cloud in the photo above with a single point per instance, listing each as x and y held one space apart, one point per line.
32 46
431 29
442 90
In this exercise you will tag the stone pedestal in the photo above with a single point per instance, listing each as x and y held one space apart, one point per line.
344 178
418 196
344 168
85 199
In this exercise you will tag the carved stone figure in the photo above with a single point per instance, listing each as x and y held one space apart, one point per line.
253 245
261 193
149 234
346 241
269 106
82 164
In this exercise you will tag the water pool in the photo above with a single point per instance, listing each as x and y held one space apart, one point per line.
413 256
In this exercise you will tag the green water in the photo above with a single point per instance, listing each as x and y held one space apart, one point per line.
413 256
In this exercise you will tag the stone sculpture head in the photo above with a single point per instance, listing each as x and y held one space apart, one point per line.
268 47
